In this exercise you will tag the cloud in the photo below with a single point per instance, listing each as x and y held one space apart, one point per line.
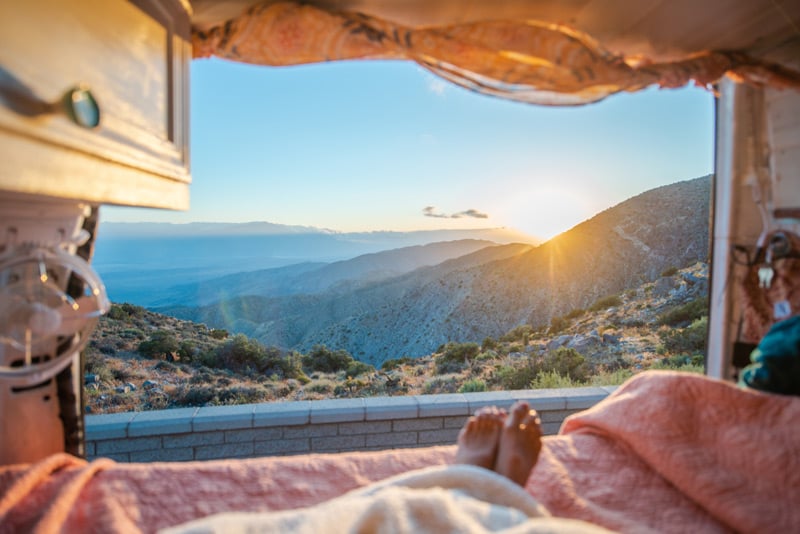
430 211
474 214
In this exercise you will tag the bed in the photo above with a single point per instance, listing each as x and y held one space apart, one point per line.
667 452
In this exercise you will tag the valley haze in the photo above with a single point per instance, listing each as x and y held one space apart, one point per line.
139 261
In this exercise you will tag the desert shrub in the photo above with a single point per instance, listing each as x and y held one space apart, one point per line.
218 333
574 314
521 333
454 356
610 378
686 313
321 358
460 352
357 368
605 303
440 384
472 385
132 333
486 355
160 344
188 350
239 395
565 362
552 380
558 324
669 271
488 344
105 346
125 312
681 362
394 363
322 386
515 376
195 396
165 366
240 353
691 339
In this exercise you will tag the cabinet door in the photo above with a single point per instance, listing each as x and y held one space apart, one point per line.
133 59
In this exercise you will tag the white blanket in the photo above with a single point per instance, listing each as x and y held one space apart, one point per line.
456 498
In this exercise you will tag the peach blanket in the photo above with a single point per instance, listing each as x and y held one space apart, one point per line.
667 452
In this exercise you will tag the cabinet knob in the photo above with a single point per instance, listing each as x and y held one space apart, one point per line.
81 107
78 102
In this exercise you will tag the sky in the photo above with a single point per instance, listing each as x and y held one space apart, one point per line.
385 145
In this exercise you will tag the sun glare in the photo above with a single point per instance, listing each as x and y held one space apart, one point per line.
549 211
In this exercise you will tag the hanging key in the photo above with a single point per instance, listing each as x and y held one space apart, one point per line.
766 272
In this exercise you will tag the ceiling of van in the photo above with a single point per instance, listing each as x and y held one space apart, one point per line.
659 29
636 43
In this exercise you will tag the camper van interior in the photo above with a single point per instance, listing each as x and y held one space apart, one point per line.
94 111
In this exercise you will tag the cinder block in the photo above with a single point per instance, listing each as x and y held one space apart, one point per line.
442 405
223 418
382 408
108 426
117 457
115 446
253 434
582 398
501 399
163 455
446 436
282 447
226 450
372 427
338 443
337 411
455 421
391 440
542 399
429 423
310 431
282 413
193 439
160 422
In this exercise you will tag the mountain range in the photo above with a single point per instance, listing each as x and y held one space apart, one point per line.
156 263
378 314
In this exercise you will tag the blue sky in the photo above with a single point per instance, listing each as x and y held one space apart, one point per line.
356 146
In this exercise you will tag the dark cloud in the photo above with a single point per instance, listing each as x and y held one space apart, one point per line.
430 211
473 213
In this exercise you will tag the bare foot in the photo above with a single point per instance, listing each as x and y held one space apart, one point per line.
520 443
478 439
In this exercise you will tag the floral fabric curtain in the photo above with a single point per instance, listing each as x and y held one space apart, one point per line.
527 61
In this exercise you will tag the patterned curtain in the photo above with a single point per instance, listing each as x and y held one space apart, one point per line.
527 61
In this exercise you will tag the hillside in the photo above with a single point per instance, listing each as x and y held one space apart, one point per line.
139 360
484 294
310 278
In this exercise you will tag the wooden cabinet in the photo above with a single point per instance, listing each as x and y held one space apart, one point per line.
133 58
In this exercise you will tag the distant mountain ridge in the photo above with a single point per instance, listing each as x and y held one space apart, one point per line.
311 278
140 262
488 292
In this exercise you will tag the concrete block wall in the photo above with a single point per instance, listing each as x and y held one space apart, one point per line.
286 428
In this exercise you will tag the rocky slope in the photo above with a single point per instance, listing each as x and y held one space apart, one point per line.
660 324
486 293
